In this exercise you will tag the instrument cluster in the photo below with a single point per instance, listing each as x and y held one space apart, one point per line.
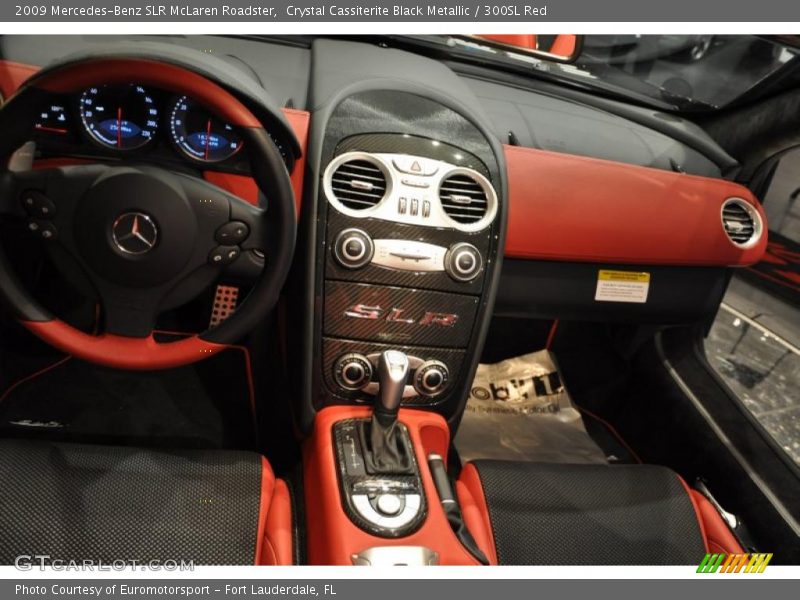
133 119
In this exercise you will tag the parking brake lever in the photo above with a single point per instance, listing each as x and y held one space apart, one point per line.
451 508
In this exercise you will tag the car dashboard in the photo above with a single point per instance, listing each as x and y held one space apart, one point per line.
431 197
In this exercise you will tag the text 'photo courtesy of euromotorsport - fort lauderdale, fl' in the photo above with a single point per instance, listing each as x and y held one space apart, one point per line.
170 590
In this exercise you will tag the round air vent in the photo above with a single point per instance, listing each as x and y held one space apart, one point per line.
741 222
464 198
358 183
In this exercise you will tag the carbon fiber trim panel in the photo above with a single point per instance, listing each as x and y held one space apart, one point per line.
332 349
389 112
378 229
401 315
344 435
396 120
414 145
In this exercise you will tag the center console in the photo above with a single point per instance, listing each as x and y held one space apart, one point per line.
405 234
407 230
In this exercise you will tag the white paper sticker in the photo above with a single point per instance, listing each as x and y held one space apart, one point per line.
622 286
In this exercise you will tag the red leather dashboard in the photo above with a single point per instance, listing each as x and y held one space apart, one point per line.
564 207
573 208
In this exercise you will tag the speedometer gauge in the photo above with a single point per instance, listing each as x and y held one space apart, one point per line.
123 117
199 134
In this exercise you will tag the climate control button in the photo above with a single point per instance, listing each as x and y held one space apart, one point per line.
353 371
431 378
463 262
353 248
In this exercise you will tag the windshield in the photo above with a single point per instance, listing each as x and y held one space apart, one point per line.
682 71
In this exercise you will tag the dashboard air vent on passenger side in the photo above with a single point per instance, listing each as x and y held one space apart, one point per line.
463 198
358 184
741 222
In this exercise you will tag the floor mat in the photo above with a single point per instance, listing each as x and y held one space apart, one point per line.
197 406
519 409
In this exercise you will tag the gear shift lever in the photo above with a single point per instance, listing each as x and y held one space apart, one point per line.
392 376
386 447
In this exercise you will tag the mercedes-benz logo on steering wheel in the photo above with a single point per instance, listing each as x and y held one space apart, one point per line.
134 233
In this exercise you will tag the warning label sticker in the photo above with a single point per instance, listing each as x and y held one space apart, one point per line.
622 286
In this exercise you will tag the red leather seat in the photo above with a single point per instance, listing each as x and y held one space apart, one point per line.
528 513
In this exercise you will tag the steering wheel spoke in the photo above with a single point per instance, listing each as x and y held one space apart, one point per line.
128 313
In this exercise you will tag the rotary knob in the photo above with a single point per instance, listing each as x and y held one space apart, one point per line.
353 248
353 371
431 378
463 262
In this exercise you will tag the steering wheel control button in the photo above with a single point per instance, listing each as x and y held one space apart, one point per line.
353 248
223 255
232 234
353 371
45 230
431 378
463 262
37 205
389 504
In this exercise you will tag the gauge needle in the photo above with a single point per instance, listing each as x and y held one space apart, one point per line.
208 136
119 127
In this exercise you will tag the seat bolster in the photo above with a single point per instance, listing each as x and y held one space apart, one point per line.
719 537
475 511
275 538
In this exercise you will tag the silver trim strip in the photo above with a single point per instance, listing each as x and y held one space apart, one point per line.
758 224
754 477
767 332
420 191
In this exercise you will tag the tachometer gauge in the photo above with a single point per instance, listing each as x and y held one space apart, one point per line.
199 134
123 117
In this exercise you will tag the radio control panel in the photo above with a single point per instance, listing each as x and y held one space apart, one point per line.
354 249
409 241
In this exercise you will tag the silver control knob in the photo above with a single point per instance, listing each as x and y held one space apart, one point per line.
463 262
353 248
352 371
389 504
431 378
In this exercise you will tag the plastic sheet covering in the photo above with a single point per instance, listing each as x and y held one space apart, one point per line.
519 409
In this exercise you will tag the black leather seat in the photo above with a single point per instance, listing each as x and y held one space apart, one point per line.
73 502
548 514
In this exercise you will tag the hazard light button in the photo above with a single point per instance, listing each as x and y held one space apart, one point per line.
413 165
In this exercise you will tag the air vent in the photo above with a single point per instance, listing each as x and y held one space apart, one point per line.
741 222
358 184
463 199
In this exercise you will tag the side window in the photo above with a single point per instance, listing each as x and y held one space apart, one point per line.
754 343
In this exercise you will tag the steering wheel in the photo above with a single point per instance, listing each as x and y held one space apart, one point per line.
147 238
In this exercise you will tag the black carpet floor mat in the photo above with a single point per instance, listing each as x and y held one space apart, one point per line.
197 406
